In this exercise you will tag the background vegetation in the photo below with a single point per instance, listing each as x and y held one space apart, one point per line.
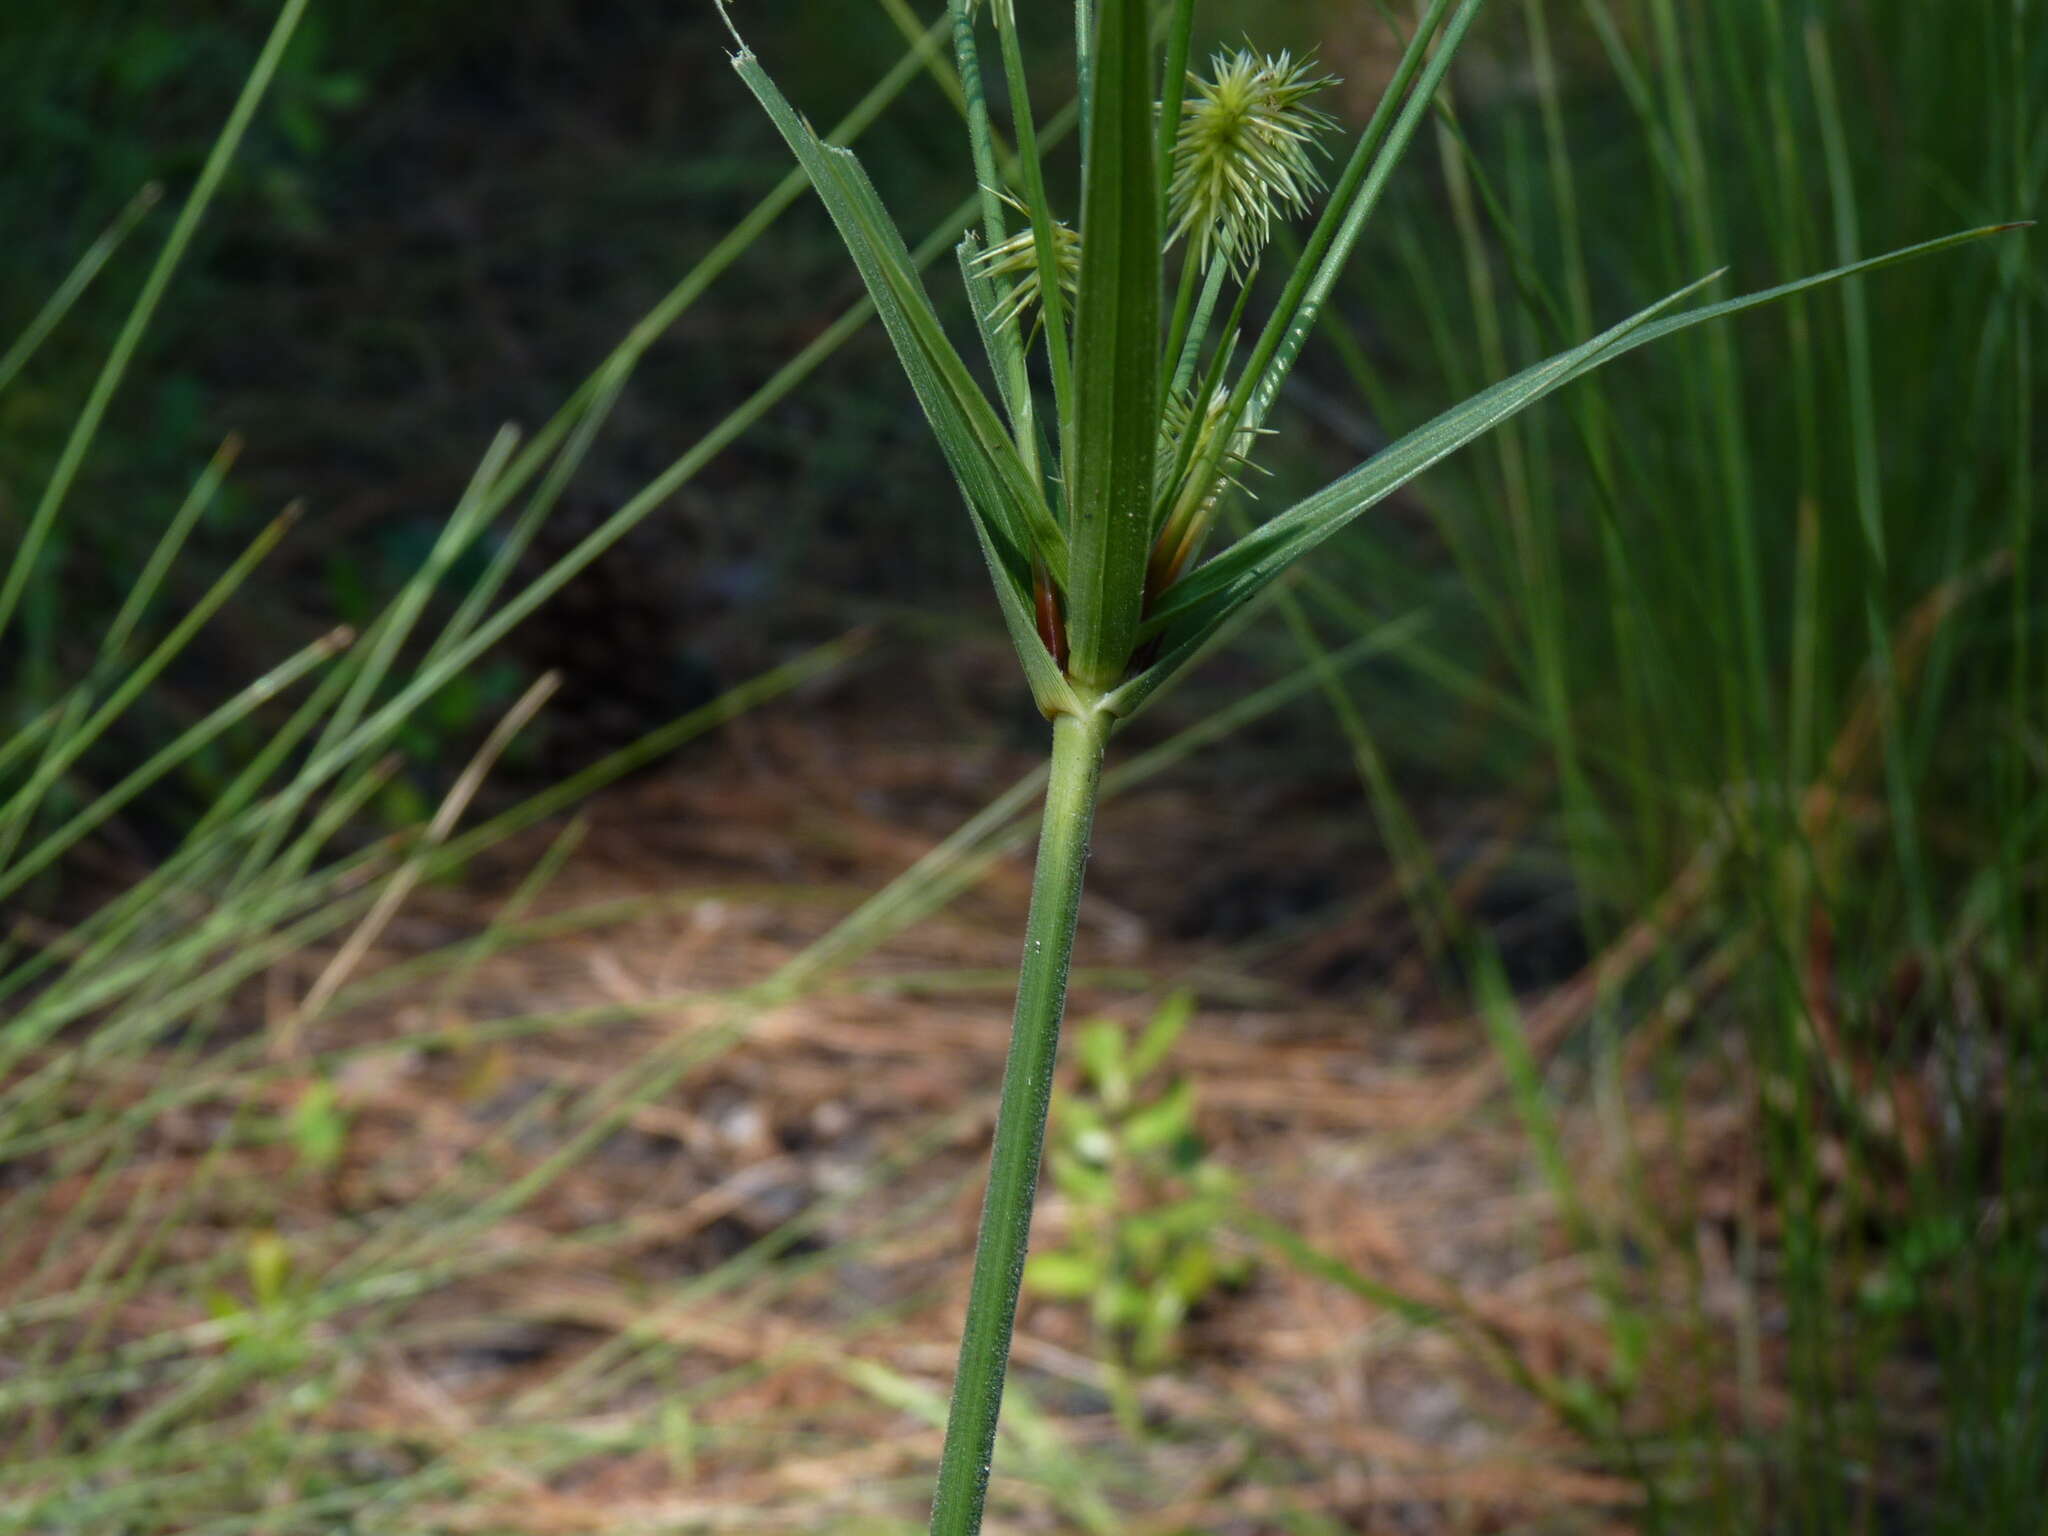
1674 759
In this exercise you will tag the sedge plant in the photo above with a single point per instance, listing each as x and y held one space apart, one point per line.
184 1342
1127 390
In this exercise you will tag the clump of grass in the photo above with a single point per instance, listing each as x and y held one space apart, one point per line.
1769 614
137 1009
1094 507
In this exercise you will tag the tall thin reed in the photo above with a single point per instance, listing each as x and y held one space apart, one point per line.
1875 444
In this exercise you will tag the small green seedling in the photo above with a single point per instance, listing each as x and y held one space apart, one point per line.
1144 1200
267 1332
317 1127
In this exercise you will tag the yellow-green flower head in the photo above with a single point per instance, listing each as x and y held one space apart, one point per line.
1245 148
1196 494
1014 262
1182 416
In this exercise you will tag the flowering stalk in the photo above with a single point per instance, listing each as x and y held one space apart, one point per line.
1077 744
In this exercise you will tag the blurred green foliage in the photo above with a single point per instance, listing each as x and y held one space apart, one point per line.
1144 1202
437 216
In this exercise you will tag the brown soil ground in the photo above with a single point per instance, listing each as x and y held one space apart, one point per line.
767 1204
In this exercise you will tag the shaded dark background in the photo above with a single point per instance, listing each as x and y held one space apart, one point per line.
446 214
443 218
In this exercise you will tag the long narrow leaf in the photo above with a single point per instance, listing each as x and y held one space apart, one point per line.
1197 604
987 486
80 278
981 442
196 501
1044 242
970 432
1264 553
1382 147
1005 348
1116 386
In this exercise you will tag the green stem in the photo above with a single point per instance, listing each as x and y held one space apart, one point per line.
1020 1123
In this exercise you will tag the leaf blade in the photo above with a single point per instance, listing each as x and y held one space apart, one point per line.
971 434
1196 606
1270 548
1116 347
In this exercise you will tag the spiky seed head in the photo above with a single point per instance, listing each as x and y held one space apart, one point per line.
1190 503
1196 492
1245 148
1206 421
1015 262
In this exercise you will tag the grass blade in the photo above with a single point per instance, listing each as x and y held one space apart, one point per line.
58 305
1116 385
1262 555
86 428
1011 518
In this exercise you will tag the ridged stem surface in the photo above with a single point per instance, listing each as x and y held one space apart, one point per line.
1020 1124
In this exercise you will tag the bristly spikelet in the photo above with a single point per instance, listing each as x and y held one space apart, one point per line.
1015 262
1190 503
1180 418
1245 148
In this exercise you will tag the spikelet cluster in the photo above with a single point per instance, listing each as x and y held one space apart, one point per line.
1206 424
1189 435
1014 264
1245 149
